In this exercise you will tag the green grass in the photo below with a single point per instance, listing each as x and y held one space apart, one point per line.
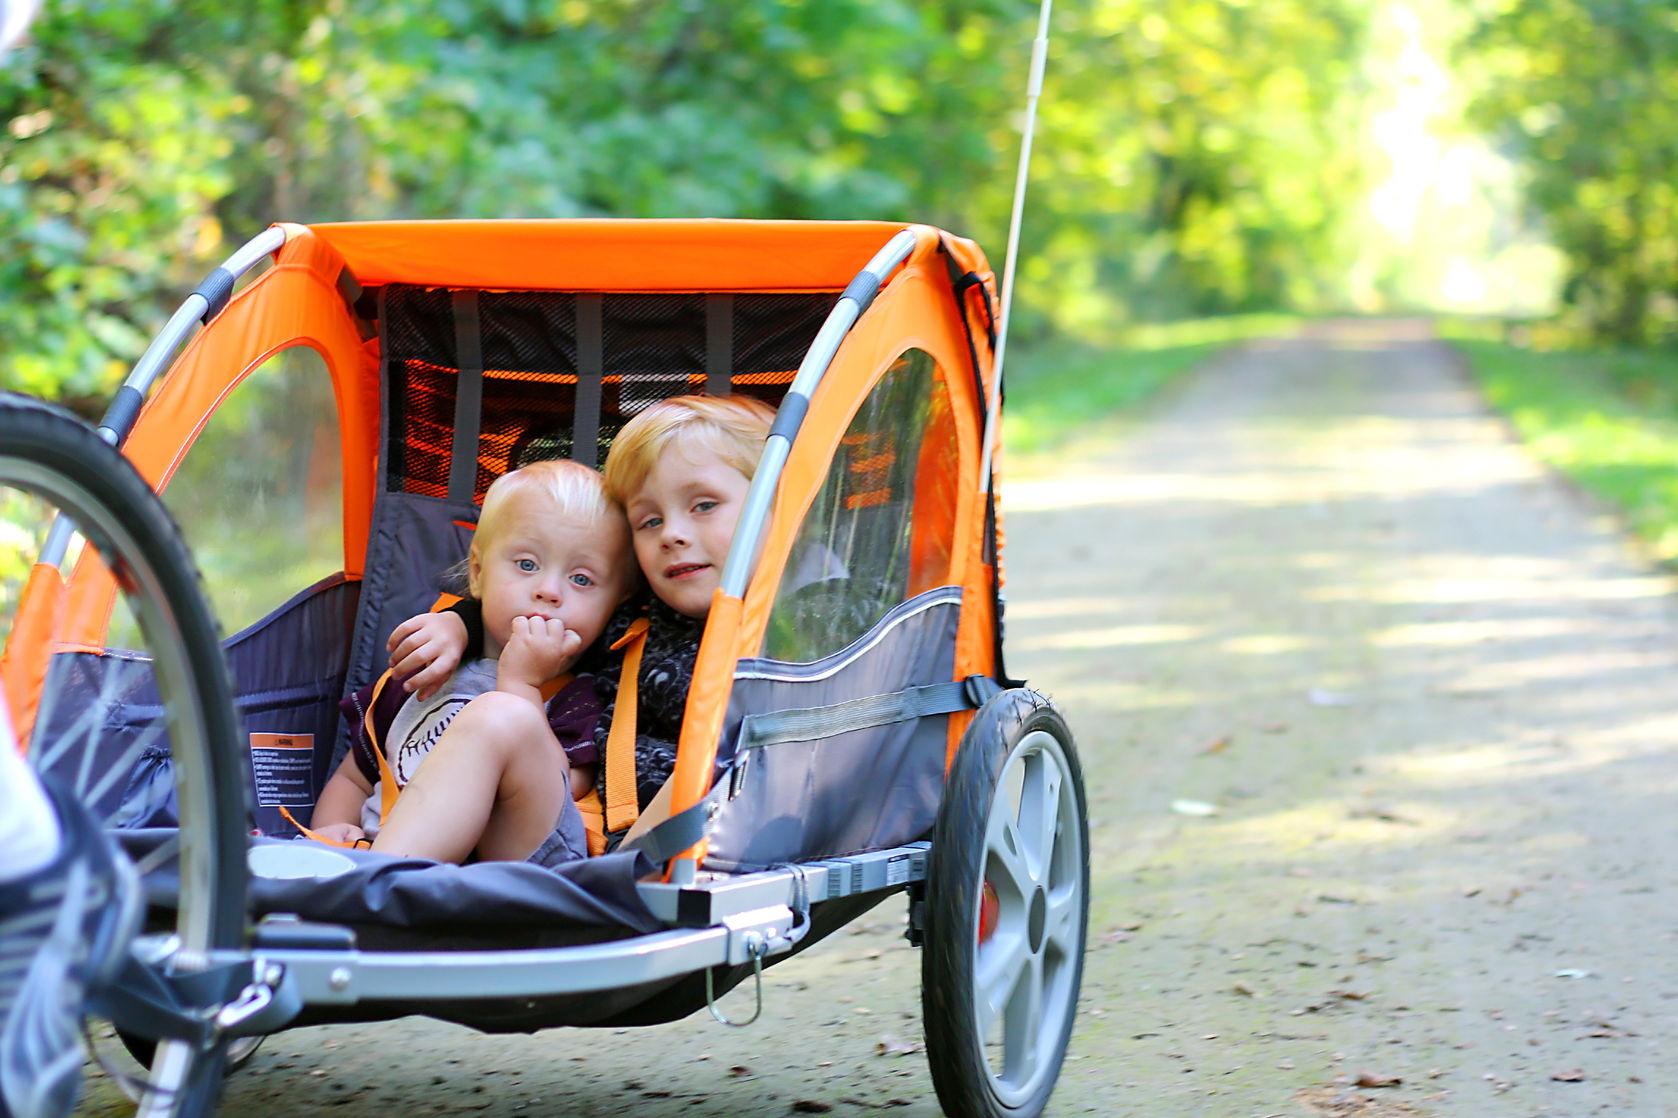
1608 419
1069 389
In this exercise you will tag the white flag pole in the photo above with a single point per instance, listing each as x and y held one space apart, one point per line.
1034 90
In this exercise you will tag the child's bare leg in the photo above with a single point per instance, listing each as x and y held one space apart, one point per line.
494 782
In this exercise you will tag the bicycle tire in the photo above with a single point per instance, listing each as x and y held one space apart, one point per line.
51 456
1007 910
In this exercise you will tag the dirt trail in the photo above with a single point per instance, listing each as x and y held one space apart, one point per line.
1430 696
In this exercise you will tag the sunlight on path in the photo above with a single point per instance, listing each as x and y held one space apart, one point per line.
1433 699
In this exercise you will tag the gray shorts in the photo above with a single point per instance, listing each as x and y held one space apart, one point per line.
567 842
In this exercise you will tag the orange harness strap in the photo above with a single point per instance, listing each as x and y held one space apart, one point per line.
623 806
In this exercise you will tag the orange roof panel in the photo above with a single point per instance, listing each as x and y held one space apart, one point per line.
610 254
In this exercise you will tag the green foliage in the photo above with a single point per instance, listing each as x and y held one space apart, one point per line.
1608 419
1584 93
1192 155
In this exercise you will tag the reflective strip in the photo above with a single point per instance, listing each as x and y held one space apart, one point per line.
778 670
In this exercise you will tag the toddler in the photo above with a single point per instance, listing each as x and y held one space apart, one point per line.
480 755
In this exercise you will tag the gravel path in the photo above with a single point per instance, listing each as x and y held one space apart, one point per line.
1377 724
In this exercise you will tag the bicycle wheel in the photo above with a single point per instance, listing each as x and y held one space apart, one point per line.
124 701
1007 904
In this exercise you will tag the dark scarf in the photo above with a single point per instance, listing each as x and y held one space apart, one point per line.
662 690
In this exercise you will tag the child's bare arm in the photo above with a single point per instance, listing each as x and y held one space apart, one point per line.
582 780
340 801
427 647
537 650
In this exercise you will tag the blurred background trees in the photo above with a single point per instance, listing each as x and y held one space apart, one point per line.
1194 157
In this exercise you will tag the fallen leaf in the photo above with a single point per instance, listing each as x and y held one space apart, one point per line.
896 1046
1349 995
1216 747
739 1071
1472 891
1322 698
1571 1075
1370 1079
1329 898
1245 990
811 1106
1572 972
1194 807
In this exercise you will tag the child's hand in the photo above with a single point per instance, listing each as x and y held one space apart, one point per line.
537 650
340 832
429 647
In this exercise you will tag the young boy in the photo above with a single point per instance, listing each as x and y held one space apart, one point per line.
477 758
681 470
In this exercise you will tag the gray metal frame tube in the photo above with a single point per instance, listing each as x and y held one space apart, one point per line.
119 419
742 554
162 350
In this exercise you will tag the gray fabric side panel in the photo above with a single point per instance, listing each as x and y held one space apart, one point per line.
847 790
373 579
719 344
412 542
591 365
468 398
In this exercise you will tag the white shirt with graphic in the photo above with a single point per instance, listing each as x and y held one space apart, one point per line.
418 725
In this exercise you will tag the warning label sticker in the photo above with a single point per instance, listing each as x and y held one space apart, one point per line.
284 765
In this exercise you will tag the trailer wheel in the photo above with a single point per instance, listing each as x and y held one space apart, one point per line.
1006 908
148 692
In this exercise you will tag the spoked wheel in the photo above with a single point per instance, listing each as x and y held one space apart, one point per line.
123 700
1007 902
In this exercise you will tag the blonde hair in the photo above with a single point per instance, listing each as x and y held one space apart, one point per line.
734 428
576 490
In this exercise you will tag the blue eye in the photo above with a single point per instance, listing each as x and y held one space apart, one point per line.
526 565
704 506
650 522
580 579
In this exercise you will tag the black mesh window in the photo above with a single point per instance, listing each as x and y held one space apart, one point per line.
538 346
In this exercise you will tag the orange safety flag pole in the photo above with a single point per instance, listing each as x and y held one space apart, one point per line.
23 664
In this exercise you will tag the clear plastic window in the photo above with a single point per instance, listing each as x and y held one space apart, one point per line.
260 494
880 529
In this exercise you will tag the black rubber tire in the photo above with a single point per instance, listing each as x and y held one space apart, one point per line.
1017 733
53 455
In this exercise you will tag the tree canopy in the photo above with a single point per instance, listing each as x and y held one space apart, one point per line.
1192 156
1584 96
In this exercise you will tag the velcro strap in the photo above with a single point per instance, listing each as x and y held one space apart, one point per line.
813 723
623 805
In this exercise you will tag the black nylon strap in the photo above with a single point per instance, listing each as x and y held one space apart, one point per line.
719 344
468 398
591 367
585 426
